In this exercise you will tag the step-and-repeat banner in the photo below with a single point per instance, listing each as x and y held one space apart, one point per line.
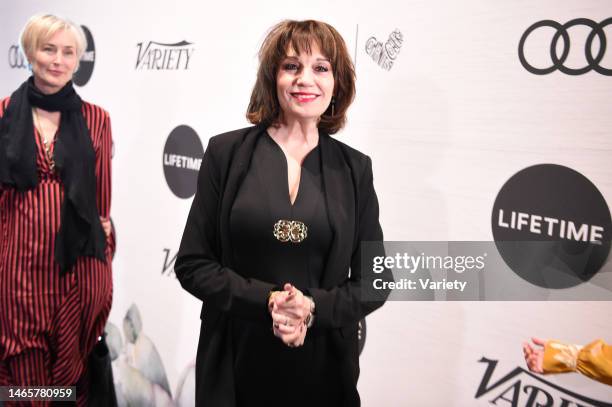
484 120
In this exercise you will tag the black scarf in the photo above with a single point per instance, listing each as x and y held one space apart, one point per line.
80 232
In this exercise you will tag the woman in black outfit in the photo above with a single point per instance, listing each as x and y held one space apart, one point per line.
272 244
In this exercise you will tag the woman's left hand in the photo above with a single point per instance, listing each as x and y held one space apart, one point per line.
106 225
295 305
292 336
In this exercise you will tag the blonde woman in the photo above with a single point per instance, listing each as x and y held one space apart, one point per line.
55 240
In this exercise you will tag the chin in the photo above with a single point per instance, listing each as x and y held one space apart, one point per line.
56 82
310 114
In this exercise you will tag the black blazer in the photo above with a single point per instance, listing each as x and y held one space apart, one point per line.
204 262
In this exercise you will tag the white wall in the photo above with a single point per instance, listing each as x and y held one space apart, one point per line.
446 126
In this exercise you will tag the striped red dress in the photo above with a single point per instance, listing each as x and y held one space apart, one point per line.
49 323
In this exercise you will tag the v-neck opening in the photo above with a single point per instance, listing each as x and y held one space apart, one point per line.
286 162
40 147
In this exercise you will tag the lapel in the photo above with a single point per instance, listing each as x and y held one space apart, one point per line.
238 167
340 197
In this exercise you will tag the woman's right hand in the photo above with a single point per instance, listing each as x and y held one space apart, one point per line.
285 324
534 356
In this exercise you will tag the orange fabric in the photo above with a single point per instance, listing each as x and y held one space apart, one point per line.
593 360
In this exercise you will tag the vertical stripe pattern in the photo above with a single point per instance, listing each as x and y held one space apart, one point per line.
49 323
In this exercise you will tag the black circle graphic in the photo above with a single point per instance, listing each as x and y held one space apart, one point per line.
551 226
182 156
361 334
88 60
561 32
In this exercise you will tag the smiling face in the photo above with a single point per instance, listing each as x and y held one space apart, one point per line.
304 85
55 61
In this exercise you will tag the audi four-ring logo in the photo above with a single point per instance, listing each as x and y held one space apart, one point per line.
16 59
559 60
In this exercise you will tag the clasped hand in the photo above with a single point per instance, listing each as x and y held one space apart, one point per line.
289 309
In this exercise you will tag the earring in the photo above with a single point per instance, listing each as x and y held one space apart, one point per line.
333 104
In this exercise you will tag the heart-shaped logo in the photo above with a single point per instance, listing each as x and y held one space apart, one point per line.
385 55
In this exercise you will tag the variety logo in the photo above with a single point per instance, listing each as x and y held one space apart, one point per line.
182 157
521 388
552 226
169 260
593 60
160 56
385 55
88 60
16 59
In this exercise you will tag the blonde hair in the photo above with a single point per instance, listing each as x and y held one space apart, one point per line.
41 27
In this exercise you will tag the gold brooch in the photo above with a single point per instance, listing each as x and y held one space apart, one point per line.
290 230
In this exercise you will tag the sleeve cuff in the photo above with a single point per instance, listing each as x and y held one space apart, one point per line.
560 357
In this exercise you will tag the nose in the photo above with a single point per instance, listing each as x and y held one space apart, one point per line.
305 77
59 58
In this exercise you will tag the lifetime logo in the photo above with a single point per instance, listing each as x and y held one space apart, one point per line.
549 226
558 61
89 56
552 226
182 161
16 59
86 66
182 158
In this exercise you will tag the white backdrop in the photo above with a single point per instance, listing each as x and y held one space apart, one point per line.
454 118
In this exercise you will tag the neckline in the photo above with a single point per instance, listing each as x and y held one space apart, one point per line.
38 129
283 151
286 164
